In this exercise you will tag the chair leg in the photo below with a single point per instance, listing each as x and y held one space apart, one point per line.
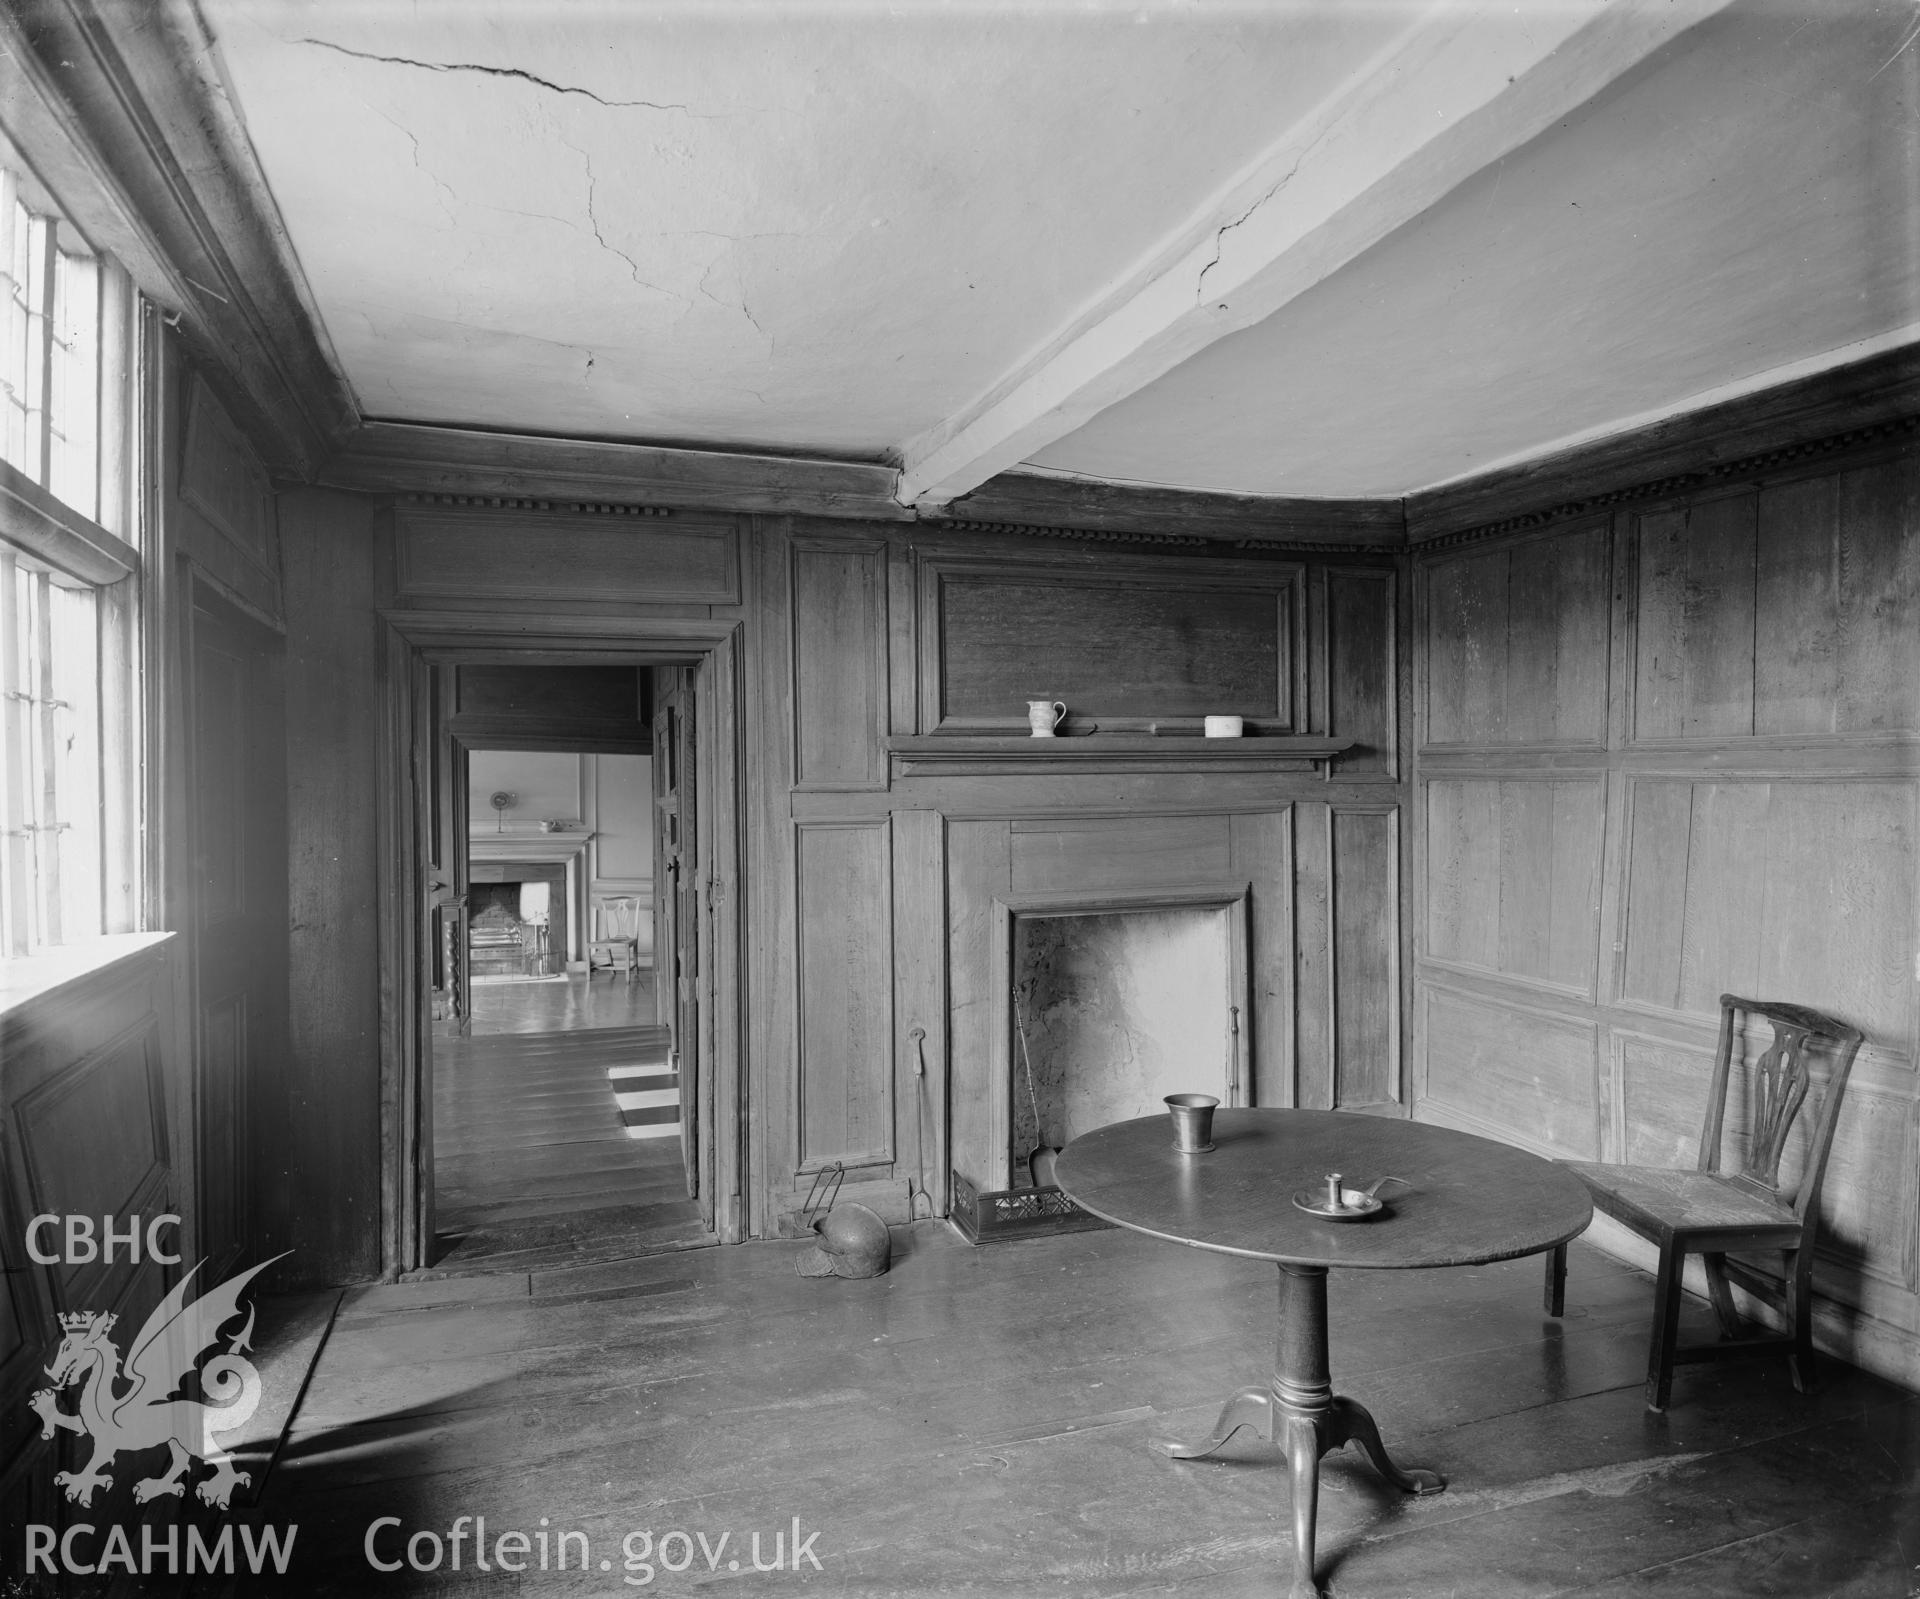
1556 1295
1799 1285
1666 1327
1722 1294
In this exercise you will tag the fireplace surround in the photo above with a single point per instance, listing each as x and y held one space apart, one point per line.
1122 997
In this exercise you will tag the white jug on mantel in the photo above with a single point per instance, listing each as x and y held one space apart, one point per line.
1043 716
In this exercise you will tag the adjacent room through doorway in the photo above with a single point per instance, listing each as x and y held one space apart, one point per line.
557 1106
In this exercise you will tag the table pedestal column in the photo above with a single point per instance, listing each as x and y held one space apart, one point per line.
1300 1411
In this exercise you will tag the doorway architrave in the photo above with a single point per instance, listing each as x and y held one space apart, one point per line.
412 643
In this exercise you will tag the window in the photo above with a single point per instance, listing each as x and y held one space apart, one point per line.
68 578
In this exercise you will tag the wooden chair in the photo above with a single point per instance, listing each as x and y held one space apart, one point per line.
1708 1213
616 936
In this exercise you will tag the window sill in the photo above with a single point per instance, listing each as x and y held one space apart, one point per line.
25 979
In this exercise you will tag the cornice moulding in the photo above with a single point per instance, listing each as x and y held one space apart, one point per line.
412 458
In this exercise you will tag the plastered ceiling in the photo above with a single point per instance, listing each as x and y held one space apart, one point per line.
845 230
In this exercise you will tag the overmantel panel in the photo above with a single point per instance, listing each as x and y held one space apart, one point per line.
1123 640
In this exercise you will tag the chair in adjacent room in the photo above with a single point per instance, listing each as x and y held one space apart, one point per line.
1709 1213
616 936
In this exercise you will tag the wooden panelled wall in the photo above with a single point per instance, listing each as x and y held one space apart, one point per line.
870 889
880 873
1664 753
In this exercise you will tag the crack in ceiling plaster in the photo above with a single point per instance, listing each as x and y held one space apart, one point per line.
593 220
497 72
441 191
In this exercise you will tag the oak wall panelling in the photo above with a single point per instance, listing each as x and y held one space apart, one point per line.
867 891
873 638
1751 883
840 697
89 1103
225 514
1069 853
451 553
1364 1002
1513 864
1359 665
844 994
1515 646
920 1001
1523 1069
1261 851
979 876
1123 641
1699 775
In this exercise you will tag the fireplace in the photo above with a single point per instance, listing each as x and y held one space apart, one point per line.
497 869
499 942
1109 1003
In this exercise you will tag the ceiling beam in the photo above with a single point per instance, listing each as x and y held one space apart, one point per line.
1447 98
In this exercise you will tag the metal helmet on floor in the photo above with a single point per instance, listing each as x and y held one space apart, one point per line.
853 1242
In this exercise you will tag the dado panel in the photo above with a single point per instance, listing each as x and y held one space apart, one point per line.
1516 642
1801 888
1514 1066
1513 878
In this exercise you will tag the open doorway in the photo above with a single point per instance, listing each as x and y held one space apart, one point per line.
561 1107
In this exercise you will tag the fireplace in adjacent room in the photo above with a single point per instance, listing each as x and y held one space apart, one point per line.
516 919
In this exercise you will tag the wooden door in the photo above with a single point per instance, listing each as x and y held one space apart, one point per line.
444 849
676 897
718 987
237 921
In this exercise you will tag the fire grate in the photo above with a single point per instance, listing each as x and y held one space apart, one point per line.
996 1216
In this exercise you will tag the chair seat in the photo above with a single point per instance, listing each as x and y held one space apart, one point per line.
1682 1201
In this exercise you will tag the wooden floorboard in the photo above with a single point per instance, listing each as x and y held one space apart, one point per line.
976 1423
533 1164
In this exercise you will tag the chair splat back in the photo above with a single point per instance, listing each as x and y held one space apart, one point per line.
1781 1081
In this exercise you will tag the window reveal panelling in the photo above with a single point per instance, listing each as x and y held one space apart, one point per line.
224 484
1124 646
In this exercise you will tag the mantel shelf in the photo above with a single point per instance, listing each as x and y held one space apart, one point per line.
968 754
